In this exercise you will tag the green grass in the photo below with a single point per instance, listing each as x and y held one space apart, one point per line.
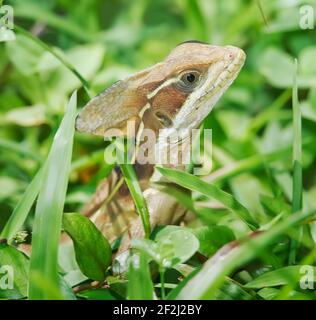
49 207
297 193
263 163
21 211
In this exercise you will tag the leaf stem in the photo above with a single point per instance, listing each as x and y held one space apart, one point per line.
162 283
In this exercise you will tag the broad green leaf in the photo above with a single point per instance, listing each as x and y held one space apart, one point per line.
282 276
182 243
14 268
276 65
213 238
173 245
140 286
206 283
50 205
149 247
191 182
93 251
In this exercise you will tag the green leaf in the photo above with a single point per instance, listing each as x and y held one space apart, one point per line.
134 188
137 195
43 46
191 182
268 293
176 291
183 244
274 294
24 54
206 283
140 286
231 290
212 238
307 57
279 277
49 208
174 245
93 251
13 285
276 65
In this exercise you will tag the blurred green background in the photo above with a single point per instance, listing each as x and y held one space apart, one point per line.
108 40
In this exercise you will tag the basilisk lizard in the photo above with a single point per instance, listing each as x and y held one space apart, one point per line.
177 93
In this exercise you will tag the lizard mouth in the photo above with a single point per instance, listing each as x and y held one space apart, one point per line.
226 77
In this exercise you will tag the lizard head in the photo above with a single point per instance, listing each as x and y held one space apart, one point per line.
176 93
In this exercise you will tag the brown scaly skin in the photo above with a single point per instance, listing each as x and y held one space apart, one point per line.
159 97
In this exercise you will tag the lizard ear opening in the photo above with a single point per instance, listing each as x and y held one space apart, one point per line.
111 113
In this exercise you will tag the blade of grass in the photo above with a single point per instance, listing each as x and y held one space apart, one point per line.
140 286
191 182
264 18
297 147
22 209
134 187
49 208
245 165
297 193
206 283
280 277
137 195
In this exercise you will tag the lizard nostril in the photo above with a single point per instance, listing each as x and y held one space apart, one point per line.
164 119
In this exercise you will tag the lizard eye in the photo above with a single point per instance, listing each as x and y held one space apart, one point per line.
189 80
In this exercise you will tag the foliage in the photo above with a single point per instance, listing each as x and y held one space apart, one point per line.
263 158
